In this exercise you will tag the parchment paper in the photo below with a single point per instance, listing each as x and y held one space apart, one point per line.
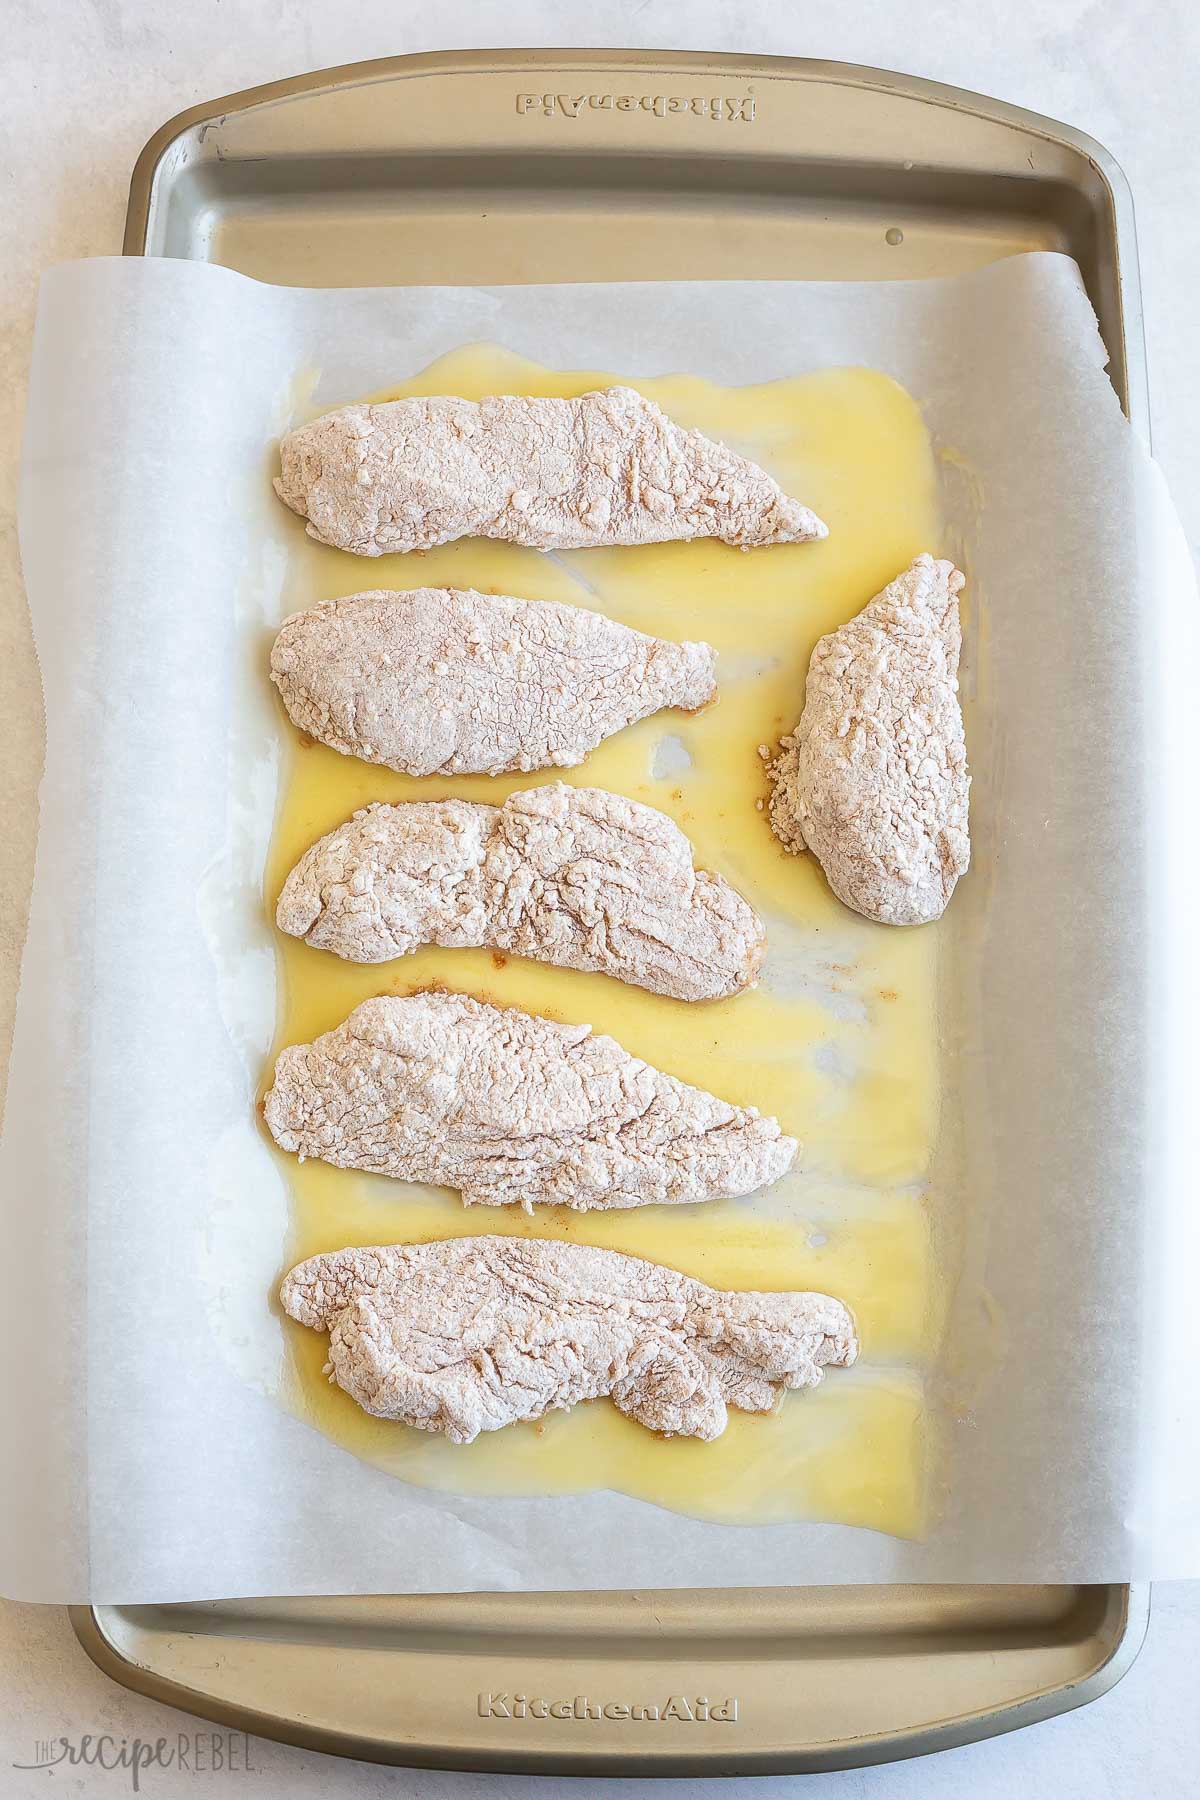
143 1457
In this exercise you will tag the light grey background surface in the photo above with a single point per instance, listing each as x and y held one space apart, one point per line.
85 83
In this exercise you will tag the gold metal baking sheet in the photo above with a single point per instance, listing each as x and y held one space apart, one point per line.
486 167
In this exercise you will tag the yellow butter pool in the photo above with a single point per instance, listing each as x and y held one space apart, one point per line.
838 1040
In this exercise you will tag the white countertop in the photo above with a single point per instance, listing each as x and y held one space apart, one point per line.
85 86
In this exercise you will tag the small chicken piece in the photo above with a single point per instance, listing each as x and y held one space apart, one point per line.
451 682
874 778
474 1334
607 468
512 1109
573 876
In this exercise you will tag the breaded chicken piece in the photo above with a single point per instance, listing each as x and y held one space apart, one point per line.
448 681
874 778
577 877
513 1109
473 1334
607 468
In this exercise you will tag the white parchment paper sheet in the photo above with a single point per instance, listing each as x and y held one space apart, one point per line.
143 1457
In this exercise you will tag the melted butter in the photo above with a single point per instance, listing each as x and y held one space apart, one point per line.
838 1040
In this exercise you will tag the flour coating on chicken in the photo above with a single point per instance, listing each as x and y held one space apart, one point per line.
473 1334
577 877
874 778
513 1109
607 468
448 681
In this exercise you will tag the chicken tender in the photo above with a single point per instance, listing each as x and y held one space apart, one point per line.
874 778
450 682
512 1109
473 1334
577 877
607 468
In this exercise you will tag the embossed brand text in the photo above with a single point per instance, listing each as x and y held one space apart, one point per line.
698 1711
573 106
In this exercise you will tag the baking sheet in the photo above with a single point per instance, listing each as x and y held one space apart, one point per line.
146 1459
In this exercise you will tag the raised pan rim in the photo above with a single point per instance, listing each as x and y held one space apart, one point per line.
766 68
922 1740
